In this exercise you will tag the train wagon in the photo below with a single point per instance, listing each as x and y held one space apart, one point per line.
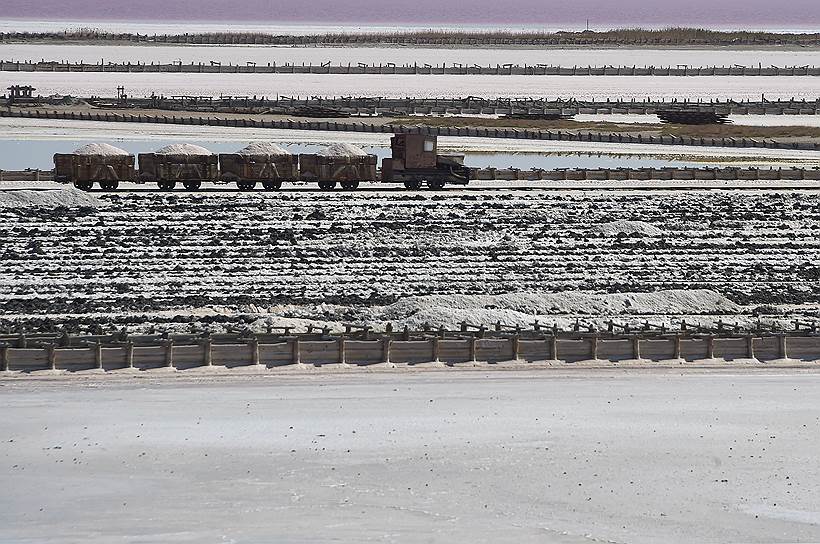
259 162
415 160
187 163
103 164
339 163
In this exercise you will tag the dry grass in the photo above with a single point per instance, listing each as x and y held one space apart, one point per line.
676 36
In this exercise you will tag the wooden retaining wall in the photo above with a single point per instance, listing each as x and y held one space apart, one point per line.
520 134
290 105
336 350
410 69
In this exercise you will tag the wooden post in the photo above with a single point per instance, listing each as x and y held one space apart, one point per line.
781 338
342 354
594 346
473 345
710 347
676 347
129 354
97 350
296 356
636 347
254 343
554 348
516 347
169 354
386 343
52 357
4 357
208 352
750 346
435 349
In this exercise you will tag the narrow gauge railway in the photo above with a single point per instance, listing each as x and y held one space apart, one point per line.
414 162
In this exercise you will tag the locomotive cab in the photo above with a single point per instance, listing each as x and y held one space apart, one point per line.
415 160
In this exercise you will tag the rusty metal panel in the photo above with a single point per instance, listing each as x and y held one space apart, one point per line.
415 150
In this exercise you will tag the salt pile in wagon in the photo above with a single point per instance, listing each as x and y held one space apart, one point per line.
342 149
264 149
100 150
182 149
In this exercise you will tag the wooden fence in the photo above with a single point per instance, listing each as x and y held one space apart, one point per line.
387 349
388 68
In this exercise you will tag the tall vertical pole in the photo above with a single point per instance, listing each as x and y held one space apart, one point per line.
169 354
98 362
296 354
342 351
129 354
254 343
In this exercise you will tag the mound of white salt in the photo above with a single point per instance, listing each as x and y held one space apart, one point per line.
100 150
182 149
263 148
68 197
343 149
627 227
524 308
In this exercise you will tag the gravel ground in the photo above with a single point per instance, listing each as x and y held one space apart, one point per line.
587 456
181 256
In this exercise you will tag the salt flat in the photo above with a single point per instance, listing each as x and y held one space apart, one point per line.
404 55
563 456
437 86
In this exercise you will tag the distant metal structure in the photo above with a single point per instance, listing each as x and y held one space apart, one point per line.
20 93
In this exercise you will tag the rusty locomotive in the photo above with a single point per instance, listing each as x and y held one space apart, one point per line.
414 162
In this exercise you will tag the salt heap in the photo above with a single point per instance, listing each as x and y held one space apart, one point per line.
342 149
523 308
100 150
68 197
263 148
627 227
182 149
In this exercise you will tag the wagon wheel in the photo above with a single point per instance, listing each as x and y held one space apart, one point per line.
166 185
412 184
192 185
109 185
83 185
350 185
327 185
272 185
246 185
435 184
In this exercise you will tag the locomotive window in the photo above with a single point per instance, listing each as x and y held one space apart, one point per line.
428 145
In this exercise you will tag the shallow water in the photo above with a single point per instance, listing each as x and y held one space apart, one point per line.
551 87
22 154
402 55
54 134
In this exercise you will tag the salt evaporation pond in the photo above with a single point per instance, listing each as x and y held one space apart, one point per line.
21 154
148 137
398 86
263 55
745 120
